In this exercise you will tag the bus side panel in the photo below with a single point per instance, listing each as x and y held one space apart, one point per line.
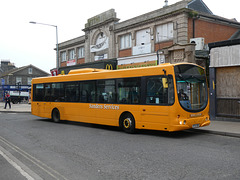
107 115
35 109
79 112
87 114
41 109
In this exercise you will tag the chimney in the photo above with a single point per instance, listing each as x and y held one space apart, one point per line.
166 3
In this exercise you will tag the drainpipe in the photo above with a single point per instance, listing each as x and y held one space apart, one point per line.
193 24
193 27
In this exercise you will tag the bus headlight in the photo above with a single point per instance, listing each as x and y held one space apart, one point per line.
181 122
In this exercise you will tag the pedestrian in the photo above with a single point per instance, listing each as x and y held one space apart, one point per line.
7 100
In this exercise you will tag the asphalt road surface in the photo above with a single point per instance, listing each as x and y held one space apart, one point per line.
36 148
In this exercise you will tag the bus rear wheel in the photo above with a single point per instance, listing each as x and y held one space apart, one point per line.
128 123
55 115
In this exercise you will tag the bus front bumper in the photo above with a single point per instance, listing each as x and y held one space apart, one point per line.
188 126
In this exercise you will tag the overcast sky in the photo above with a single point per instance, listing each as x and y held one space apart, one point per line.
23 43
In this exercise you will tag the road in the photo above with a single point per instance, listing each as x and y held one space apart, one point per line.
42 149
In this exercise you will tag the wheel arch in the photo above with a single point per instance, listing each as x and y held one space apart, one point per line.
54 110
122 116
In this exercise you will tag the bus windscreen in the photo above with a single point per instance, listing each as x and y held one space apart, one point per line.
191 87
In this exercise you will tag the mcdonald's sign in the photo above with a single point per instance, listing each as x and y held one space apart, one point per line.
109 67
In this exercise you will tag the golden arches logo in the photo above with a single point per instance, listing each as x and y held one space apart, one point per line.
109 67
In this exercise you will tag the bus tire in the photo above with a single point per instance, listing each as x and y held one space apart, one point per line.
56 115
128 123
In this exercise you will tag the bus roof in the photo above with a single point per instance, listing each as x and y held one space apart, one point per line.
94 74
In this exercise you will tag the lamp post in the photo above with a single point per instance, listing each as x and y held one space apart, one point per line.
32 22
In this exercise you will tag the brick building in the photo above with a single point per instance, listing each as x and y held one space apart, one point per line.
175 33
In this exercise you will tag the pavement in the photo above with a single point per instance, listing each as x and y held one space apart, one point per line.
16 108
219 127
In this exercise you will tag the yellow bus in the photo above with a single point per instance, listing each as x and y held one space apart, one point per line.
167 97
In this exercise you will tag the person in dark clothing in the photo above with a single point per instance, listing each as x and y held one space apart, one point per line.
7 100
182 96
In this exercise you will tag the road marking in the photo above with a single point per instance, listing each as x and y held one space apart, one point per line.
41 165
15 165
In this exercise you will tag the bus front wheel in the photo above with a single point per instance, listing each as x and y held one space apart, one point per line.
128 123
55 115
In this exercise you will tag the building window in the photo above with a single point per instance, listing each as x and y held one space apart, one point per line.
63 56
29 79
81 53
29 70
126 41
19 80
71 54
164 32
143 37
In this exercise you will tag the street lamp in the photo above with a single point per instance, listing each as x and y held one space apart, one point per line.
32 22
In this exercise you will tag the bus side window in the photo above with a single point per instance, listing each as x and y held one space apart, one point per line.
38 92
57 93
106 91
47 92
158 92
154 91
87 91
72 92
84 96
129 91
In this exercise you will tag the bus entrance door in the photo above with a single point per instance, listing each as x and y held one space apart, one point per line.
155 117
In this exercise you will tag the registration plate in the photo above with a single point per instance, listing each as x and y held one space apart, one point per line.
195 126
